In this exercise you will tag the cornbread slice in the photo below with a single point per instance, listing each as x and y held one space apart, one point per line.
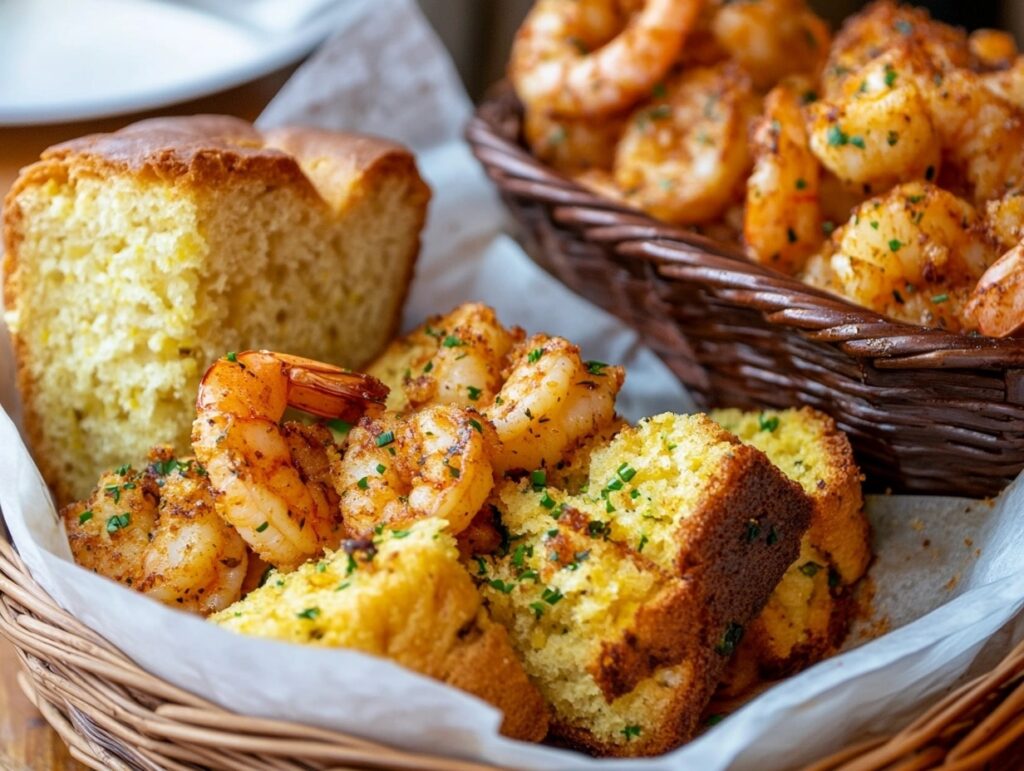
405 596
626 599
808 614
133 259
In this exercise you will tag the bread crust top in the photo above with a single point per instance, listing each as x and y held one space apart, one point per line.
206 149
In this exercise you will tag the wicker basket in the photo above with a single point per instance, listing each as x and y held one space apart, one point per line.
114 715
926 410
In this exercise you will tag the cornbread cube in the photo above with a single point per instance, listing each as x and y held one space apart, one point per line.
626 599
809 612
405 596
134 259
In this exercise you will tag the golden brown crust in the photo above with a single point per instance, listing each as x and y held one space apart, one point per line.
485 665
840 532
839 527
729 568
205 152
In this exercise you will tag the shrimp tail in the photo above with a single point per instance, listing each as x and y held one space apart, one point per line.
335 394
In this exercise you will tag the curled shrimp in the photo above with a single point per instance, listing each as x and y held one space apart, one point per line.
772 38
284 516
683 156
540 395
158 532
596 57
782 217
395 469
914 253
878 131
455 359
887 26
551 400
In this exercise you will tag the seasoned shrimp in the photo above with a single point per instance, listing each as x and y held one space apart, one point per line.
772 38
573 144
683 156
887 26
996 306
982 135
878 130
282 514
395 469
914 254
158 532
782 218
551 400
590 58
453 359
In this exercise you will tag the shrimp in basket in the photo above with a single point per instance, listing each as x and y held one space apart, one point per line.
282 506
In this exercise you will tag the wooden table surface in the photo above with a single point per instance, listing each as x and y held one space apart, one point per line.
27 743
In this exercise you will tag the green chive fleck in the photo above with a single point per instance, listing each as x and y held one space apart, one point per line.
118 522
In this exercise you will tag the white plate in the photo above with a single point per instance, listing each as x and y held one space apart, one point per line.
64 60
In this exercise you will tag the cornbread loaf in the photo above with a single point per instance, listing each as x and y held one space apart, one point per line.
627 599
404 595
133 259
809 612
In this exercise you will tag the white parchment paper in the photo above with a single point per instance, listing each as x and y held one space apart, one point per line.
949 572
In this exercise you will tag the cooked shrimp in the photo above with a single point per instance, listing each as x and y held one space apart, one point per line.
683 156
992 49
283 516
982 135
996 306
573 144
782 218
395 469
596 57
550 402
886 26
453 359
878 130
772 38
158 532
914 254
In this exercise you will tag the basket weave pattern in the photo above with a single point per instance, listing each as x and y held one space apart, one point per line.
926 410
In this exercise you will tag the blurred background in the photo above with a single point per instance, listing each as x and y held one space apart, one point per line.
479 33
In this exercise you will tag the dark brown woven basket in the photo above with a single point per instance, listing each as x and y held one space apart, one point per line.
927 410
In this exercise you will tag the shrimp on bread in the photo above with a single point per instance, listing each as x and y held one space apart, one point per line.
283 514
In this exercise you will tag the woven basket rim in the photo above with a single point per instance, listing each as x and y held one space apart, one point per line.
674 251
115 715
